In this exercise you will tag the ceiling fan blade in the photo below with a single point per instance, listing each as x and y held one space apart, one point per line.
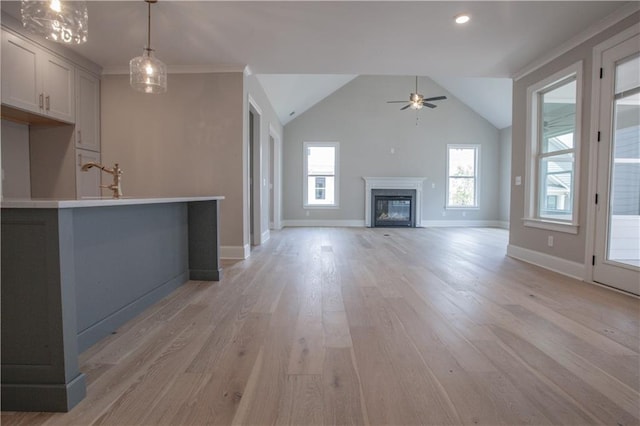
405 107
435 98
427 104
396 102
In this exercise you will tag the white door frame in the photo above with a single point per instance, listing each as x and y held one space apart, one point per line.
593 145
257 201
276 155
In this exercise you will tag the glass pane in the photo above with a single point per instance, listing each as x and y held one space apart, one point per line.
462 161
624 208
558 118
556 187
462 192
321 160
319 194
628 75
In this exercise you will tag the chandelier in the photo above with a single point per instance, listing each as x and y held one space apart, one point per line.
61 21
147 73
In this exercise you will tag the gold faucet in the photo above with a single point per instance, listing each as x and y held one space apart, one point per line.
116 171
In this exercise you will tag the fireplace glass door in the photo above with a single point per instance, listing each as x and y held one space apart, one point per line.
393 211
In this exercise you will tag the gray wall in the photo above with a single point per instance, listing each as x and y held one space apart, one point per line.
186 142
191 140
505 174
16 181
567 246
367 128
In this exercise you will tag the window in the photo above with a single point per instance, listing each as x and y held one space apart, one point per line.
321 174
553 142
462 176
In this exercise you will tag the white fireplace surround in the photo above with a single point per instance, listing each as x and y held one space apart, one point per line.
392 183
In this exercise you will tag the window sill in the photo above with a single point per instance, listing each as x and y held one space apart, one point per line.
320 207
567 228
462 208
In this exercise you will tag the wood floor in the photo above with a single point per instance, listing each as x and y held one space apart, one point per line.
371 326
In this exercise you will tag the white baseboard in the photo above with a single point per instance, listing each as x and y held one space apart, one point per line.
332 223
556 264
461 223
504 224
235 252
265 236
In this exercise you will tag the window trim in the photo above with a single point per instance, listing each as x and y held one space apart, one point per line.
531 187
476 206
305 176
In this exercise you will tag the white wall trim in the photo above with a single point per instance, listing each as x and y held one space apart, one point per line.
183 69
330 223
617 16
463 223
504 224
552 263
235 252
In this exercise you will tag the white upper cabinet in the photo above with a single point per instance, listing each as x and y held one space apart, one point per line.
37 81
20 86
87 111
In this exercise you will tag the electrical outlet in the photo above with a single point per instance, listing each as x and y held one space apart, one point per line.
444 213
518 180
307 212
433 185
550 240
464 214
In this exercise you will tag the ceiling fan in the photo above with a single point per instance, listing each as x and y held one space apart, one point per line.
417 101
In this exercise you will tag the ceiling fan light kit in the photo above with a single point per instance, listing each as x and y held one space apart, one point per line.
64 22
148 74
418 101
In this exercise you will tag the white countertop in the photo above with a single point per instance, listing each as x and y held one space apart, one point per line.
95 202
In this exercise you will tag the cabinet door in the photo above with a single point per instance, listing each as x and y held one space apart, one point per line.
59 88
87 111
20 84
87 183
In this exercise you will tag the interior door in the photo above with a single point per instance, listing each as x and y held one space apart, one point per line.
617 243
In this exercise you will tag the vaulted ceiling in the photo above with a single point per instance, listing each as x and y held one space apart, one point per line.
345 38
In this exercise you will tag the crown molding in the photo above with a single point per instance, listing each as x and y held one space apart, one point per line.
183 69
615 17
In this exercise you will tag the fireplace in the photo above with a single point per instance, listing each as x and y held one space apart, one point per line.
393 207
399 199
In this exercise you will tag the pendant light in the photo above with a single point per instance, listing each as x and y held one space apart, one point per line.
56 20
148 74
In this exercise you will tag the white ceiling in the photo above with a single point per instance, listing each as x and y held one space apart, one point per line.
342 37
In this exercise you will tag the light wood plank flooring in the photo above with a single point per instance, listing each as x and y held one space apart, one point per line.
371 326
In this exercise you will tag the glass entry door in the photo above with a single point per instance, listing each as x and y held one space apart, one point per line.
617 243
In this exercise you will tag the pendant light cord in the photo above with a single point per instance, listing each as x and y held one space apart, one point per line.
149 28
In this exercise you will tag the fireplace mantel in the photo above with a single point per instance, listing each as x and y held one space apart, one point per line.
392 183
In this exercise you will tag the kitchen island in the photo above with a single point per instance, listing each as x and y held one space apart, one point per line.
73 271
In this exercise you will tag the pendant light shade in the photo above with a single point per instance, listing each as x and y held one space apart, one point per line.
147 73
56 20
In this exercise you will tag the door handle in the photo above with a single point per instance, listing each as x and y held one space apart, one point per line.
47 101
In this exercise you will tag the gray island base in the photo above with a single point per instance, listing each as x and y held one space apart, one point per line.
74 271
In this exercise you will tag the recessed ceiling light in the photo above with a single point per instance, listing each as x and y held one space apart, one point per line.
462 18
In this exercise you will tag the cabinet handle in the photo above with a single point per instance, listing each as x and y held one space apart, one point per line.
47 101
41 100
80 160
79 136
